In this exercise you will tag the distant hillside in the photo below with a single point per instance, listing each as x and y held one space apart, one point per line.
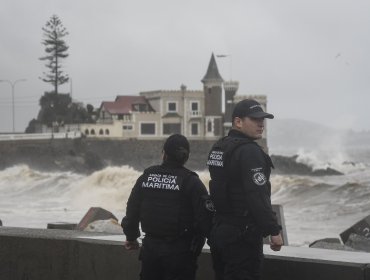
317 145
287 136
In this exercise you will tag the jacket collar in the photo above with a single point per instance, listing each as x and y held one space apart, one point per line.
171 164
238 134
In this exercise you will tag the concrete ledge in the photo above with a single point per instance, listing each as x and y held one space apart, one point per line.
320 264
42 254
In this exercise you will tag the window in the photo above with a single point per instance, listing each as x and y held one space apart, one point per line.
92 132
170 128
101 132
127 127
139 107
124 117
194 129
147 129
127 117
107 132
86 131
171 107
194 106
143 108
209 126
217 126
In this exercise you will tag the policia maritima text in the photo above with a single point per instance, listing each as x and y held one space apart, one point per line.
173 207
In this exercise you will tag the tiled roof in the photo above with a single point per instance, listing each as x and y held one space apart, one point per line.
124 104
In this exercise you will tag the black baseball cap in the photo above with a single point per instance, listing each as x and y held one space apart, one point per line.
176 143
250 108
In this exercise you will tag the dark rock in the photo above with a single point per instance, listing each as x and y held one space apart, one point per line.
330 243
358 242
331 240
95 214
326 172
289 165
361 228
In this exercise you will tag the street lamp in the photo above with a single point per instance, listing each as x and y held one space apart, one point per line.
12 84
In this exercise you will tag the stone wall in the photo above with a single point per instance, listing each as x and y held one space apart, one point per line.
87 155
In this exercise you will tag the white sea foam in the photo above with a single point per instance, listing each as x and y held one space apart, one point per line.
314 207
323 159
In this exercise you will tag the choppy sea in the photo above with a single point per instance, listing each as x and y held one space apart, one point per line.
314 207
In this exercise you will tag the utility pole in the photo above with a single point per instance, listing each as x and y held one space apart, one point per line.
183 91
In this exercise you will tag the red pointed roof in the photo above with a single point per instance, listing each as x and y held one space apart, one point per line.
124 104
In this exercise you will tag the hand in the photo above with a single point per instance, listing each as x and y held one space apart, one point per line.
131 245
276 241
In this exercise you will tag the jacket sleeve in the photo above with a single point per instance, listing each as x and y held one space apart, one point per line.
130 223
255 177
203 209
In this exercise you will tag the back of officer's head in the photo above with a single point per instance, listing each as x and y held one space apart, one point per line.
176 149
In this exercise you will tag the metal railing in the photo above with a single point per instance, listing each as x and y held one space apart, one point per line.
41 136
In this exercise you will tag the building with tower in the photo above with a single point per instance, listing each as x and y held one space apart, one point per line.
197 114
212 90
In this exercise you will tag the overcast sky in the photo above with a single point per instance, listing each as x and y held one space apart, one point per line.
310 57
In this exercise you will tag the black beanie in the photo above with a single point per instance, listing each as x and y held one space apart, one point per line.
177 148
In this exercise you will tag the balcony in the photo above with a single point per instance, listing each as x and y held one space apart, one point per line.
195 114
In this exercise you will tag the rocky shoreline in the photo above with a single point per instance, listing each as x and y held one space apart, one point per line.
88 155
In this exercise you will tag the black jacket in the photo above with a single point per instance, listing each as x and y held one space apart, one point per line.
243 175
169 201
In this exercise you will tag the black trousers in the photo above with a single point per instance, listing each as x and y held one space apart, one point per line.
237 252
167 260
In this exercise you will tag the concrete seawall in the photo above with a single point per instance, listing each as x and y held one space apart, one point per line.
83 155
87 155
40 254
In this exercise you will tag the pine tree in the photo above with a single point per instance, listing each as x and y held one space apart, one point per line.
56 49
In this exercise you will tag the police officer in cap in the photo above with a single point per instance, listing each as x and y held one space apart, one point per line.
241 192
173 207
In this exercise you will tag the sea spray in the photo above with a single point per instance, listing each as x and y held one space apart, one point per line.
108 188
314 207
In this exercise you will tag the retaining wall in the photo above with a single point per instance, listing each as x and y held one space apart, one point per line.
87 155
41 254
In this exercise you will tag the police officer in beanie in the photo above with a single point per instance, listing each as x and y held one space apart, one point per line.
173 207
241 192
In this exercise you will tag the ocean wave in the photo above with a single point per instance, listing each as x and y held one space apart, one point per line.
322 159
21 180
112 185
109 188
32 198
